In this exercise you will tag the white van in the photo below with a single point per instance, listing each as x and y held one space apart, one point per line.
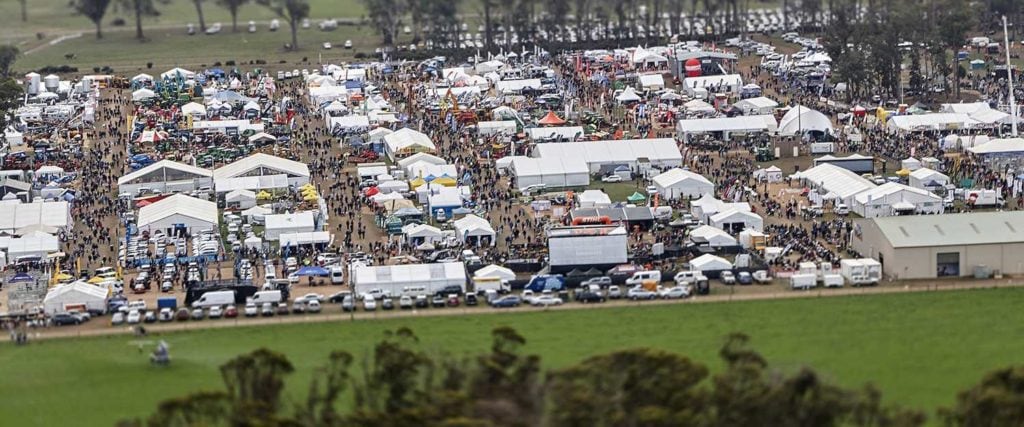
213 298
640 277
337 275
262 297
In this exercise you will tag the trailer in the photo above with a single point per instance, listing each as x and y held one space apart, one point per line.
861 271
167 302
983 198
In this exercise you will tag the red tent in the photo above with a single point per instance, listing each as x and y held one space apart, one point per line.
551 119
372 191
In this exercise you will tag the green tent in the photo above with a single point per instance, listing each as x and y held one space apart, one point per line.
636 197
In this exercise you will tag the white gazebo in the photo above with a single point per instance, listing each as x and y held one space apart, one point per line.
472 229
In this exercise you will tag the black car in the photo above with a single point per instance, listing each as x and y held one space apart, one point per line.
421 302
589 297
338 297
63 319
438 301
471 300
387 304
448 290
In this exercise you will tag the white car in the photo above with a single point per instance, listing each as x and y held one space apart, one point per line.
251 310
639 293
327 45
216 312
675 292
134 317
117 319
348 44
369 304
611 178
546 300
727 277
313 306
652 190
310 297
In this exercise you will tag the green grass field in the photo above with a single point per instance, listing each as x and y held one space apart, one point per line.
918 348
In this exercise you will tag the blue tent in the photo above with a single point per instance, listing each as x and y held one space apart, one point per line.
352 84
312 271
22 277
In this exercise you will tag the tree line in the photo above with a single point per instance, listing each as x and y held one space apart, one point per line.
400 384
291 11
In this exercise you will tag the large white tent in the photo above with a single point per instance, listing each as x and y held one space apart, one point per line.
928 122
893 198
261 164
417 234
659 152
407 141
165 176
36 245
836 180
758 105
471 228
75 295
708 262
727 125
716 237
679 183
495 271
279 224
16 216
552 171
554 133
736 220
800 120
1001 146
179 211
393 278
928 179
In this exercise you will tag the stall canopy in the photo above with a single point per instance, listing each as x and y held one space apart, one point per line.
496 271
473 226
708 262
551 119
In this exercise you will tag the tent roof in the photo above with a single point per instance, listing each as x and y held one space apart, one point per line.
835 179
675 176
760 102
169 164
710 262
291 220
551 119
890 188
1001 145
472 225
497 271
79 287
761 123
802 119
408 137
178 204
261 160
628 95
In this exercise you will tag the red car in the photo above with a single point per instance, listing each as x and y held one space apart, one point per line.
231 312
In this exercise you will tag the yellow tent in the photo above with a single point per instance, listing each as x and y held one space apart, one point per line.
310 198
903 172
308 191
96 280
445 181
62 276
417 182
881 114
263 195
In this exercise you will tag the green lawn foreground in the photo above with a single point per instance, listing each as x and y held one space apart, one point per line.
919 348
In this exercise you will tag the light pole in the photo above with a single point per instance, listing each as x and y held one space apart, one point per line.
1009 80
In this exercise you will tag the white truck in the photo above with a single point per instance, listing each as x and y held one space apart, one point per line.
262 297
484 284
213 298
805 278
337 275
984 198
861 271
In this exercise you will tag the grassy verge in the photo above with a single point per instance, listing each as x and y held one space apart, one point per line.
918 348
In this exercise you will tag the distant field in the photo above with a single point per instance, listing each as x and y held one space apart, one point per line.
918 348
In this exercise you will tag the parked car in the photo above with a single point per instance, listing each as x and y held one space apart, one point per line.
298 307
387 304
744 278
182 314
251 310
507 301
166 315
603 282
348 304
675 292
149 317
267 310
338 297
452 300
310 297
313 307
727 278
369 304
117 319
438 301
282 309
614 292
471 300
639 293
216 312
198 314
448 290
231 312
546 300
64 319
405 302
611 178
422 302
587 297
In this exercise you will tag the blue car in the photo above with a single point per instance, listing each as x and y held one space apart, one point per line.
507 302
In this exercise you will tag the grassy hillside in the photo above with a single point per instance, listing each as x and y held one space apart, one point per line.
918 348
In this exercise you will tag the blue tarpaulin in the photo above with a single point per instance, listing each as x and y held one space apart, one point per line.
312 271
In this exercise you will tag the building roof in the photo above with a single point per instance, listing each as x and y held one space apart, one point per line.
407 138
178 204
169 164
242 167
884 191
978 228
